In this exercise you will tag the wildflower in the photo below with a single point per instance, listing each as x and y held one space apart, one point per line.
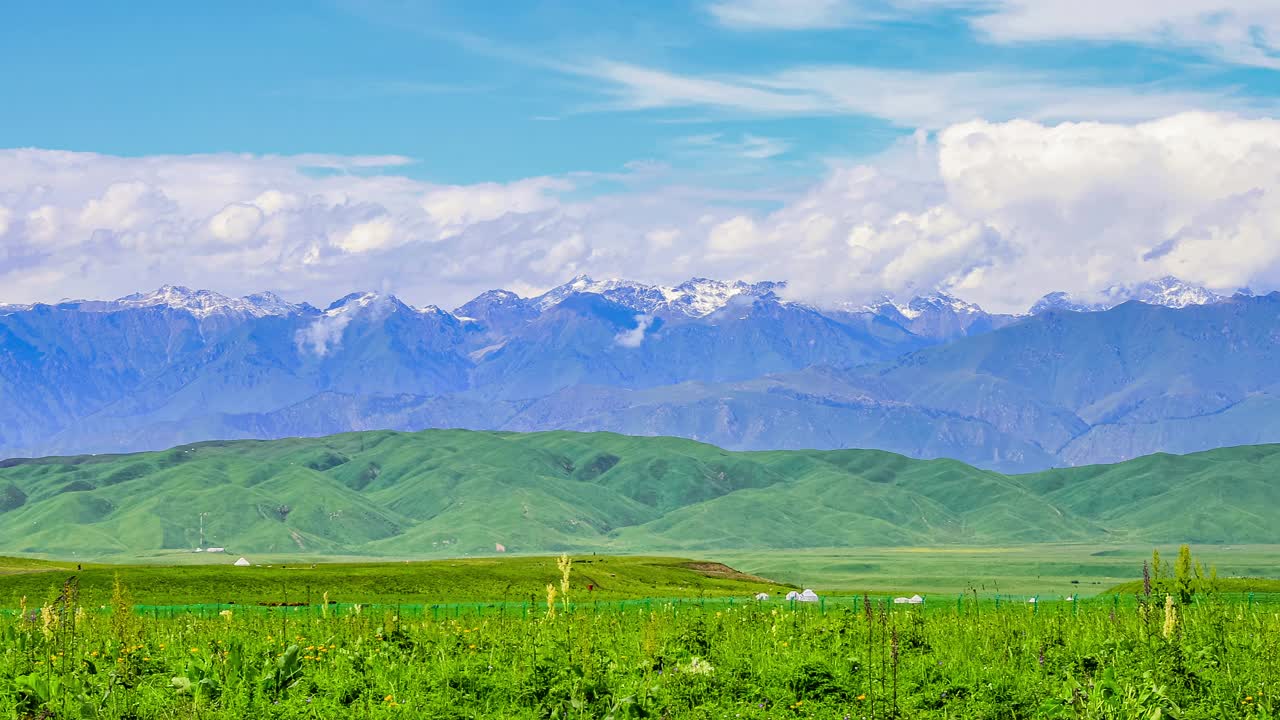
862 697
551 600
1146 579
389 698
1170 616
565 564
226 614
195 651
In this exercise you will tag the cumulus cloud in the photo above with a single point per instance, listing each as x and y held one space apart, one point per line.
236 223
997 212
455 207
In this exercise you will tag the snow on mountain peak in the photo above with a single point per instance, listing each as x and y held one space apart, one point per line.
696 297
1167 291
200 303
1171 292
919 305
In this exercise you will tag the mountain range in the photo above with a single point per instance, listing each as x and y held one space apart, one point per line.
1163 366
456 492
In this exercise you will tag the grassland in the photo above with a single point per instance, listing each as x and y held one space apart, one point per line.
1158 656
1043 570
446 581
449 493
1050 570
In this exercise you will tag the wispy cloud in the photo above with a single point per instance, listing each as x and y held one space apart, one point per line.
748 146
787 14
905 97
1244 32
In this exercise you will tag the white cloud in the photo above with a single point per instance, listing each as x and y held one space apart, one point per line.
750 147
324 334
455 207
1245 32
6 218
375 234
236 223
1239 31
905 97
635 336
662 238
998 212
783 14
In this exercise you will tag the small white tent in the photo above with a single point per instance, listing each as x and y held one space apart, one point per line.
242 563
901 600
916 600
762 596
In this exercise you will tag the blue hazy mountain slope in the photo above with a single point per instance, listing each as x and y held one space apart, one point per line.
733 364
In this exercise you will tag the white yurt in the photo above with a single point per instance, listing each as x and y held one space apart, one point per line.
762 596
242 562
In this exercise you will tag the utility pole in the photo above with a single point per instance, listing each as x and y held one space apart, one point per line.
202 529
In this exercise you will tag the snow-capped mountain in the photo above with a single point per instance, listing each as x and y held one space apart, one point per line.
199 303
1171 292
726 362
693 298
935 317
1166 292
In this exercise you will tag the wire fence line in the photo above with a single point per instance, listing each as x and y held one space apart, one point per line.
957 603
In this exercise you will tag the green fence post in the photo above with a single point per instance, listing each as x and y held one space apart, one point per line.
822 603
1075 604
997 601
959 603
1250 601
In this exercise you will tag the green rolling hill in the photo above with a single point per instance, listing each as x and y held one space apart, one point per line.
455 492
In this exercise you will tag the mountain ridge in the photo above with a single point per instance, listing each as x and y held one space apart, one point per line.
457 492
758 372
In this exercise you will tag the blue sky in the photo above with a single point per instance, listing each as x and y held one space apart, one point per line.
476 94
440 148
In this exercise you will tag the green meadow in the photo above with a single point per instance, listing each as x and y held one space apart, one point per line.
1174 648
452 493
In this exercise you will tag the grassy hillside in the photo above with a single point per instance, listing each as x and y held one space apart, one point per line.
471 580
452 492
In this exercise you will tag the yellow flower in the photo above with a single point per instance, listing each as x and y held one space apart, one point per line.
195 650
862 697
389 698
